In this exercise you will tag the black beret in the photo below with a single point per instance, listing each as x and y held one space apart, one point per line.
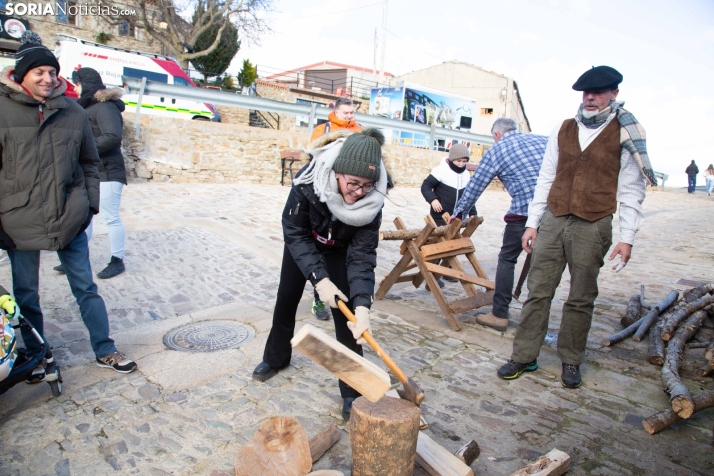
599 77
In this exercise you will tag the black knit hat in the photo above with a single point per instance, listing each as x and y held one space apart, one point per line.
597 78
89 78
31 54
361 155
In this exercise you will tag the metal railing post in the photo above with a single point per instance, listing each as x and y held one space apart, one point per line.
311 122
138 107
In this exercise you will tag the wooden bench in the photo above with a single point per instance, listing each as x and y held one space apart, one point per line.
288 165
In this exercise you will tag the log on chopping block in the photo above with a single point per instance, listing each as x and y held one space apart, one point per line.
670 326
437 460
279 448
554 463
468 453
661 420
634 309
383 436
358 372
680 398
423 425
323 441
411 234
410 390
652 316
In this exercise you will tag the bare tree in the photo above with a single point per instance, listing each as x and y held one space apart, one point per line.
170 22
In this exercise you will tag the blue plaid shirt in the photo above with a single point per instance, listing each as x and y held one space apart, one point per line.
516 161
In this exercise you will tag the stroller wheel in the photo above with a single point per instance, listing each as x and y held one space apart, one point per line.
56 387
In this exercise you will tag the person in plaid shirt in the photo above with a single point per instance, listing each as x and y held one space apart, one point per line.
515 159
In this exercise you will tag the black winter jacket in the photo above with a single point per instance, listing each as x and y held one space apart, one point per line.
692 169
106 121
303 214
447 186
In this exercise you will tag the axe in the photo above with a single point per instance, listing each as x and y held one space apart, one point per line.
521 280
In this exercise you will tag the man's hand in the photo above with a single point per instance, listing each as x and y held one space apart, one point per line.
362 324
436 205
624 250
327 291
453 217
528 240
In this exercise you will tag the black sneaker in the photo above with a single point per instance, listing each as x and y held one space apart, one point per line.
38 374
59 269
513 369
450 279
115 267
571 376
318 308
118 362
264 372
347 408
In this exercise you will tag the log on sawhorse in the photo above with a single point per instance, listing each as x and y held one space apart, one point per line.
425 249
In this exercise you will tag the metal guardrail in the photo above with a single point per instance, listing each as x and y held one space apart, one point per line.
154 88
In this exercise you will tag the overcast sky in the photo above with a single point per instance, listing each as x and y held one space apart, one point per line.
664 49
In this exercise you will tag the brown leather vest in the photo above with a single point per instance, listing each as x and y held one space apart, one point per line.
585 182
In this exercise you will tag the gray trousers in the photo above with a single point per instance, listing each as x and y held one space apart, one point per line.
561 241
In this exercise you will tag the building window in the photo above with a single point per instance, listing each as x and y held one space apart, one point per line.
126 29
2 5
486 111
66 12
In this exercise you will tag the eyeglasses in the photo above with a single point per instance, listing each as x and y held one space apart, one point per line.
354 186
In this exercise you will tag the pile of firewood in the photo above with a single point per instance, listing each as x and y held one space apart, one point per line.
671 324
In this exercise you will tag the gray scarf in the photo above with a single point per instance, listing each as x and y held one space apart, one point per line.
320 174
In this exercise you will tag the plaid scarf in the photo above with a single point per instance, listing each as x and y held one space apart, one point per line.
632 135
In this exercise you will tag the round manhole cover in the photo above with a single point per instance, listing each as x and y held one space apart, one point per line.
209 336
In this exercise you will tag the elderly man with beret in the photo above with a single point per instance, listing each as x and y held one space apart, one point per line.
591 163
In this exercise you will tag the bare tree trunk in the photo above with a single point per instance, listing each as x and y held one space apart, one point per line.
651 316
661 420
680 398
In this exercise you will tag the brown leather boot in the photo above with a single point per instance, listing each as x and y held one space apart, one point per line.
490 320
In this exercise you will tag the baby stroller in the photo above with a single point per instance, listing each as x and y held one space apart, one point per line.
16 365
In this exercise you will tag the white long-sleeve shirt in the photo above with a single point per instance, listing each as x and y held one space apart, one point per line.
631 184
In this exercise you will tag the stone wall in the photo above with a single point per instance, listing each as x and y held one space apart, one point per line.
206 152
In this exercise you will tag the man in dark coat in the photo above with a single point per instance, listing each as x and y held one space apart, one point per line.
692 170
49 191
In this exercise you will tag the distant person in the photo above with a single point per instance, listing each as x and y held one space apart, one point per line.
445 185
515 159
342 117
49 190
591 163
104 106
709 177
692 170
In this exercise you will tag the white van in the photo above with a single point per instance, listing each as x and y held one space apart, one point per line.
113 63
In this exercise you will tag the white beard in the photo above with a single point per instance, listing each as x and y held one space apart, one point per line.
588 114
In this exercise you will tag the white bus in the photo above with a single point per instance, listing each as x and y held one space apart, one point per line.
113 63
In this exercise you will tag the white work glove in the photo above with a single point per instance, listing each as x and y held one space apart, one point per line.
327 291
362 324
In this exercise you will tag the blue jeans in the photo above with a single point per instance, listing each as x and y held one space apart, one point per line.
710 185
75 259
109 204
692 183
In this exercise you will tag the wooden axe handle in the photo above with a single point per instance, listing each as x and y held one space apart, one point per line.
373 344
522 278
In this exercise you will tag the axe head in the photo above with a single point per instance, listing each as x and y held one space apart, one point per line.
411 392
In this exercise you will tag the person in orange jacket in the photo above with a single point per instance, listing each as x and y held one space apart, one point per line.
343 117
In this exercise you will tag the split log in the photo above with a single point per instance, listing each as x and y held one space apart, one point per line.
468 453
411 234
437 461
661 420
384 437
554 463
279 447
323 441
623 334
669 327
679 395
655 350
652 316
634 309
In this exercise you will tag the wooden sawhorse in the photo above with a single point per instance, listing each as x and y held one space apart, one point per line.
424 249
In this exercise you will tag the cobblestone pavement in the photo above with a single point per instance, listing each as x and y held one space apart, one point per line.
212 252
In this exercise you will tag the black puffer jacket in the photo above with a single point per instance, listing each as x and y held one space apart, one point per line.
303 214
104 110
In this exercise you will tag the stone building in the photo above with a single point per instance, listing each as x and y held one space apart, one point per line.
75 21
496 95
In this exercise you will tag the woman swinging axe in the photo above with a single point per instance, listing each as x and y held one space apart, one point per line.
331 230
